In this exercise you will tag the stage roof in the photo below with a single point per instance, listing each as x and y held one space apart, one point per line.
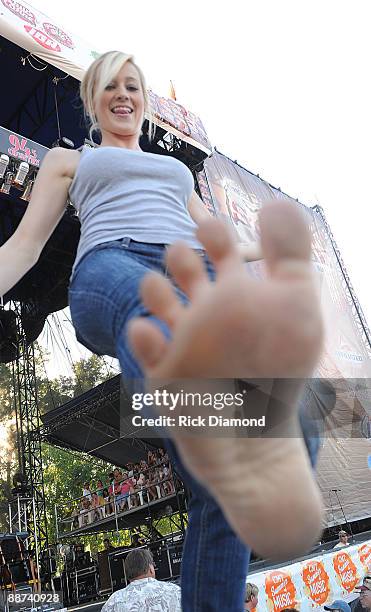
98 422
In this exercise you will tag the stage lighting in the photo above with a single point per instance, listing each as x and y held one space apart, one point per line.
63 142
20 486
20 177
33 321
4 162
8 336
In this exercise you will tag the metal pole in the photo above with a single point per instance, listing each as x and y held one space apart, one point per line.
19 514
10 518
36 538
117 524
56 520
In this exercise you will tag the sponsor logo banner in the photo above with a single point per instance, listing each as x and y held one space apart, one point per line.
313 583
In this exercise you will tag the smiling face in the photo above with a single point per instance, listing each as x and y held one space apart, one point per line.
119 109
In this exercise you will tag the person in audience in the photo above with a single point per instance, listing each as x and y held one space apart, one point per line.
343 540
141 481
151 488
97 513
151 458
86 490
338 606
144 592
117 490
130 469
363 602
140 485
108 506
107 545
167 483
101 502
127 490
251 596
75 514
85 516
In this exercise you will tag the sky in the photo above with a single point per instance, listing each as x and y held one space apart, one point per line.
282 87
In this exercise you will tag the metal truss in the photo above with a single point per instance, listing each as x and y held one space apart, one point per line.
79 408
178 148
22 518
203 189
29 440
356 308
178 520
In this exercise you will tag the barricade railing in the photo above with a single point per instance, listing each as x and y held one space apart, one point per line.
93 506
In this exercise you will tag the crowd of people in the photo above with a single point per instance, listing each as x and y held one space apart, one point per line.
165 596
136 484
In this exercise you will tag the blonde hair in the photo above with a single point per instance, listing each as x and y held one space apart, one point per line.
251 589
99 74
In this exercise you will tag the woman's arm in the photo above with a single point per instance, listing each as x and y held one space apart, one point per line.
199 213
49 196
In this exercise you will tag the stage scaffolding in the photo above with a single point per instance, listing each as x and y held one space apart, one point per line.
34 518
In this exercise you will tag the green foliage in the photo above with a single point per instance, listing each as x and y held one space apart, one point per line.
6 392
64 472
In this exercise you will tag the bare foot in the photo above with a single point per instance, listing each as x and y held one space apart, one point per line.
238 327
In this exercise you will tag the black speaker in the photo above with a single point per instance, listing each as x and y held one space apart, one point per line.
175 556
117 573
161 561
15 565
104 573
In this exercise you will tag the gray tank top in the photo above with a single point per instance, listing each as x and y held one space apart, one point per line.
121 193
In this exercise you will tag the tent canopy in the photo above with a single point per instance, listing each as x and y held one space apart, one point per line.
98 422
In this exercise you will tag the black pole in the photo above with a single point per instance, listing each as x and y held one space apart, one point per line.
342 510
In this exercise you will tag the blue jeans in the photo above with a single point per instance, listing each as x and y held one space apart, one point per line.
104 297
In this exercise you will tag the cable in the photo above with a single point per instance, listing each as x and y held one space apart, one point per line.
46 375
55 83
27 58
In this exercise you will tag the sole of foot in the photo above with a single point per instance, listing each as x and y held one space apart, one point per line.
238 327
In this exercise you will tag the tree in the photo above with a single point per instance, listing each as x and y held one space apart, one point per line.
63 472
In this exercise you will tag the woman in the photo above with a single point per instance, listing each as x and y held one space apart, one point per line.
132 205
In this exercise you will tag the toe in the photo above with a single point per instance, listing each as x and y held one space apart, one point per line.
220 244
148 342
285 238
160 298
187 268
